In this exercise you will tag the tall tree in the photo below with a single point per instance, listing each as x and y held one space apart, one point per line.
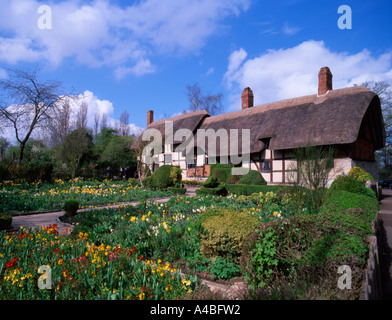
96 123
59 124
74 147
198 101
25 103
124 121
81 117
384 91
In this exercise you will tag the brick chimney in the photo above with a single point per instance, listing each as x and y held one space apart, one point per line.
325 81
150 117
247 98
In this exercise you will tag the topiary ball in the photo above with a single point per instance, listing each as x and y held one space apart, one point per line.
71 207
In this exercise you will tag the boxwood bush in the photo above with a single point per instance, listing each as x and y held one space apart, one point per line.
351 184
220 190
5 222
224 232
253 177
163 177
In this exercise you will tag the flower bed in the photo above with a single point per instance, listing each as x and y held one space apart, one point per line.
80 269
25 197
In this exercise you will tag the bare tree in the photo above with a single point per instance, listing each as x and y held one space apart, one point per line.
197 101
124 121
25 103
96 122
81 117
104 121
59 123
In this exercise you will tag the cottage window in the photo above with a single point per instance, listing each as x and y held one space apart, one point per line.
266 166
168 158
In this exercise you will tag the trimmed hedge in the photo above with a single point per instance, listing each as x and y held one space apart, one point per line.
253 177
248 190
5 222
220 190
71 207
351 184
221 171
177 190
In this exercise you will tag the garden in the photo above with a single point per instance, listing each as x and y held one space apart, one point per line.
271 236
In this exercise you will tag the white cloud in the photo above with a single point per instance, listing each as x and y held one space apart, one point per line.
293 72
100 33
96 105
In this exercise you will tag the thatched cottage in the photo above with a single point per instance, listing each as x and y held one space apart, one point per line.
349 119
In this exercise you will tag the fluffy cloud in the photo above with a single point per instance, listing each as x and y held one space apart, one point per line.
100 33
292 72
101 107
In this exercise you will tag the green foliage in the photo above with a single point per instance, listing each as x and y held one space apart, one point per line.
224 233
248 190
224 269
211 182
264 256
310 248
5 222
253 177
71 207
220 190
221 171
163 177
177 190
342 200
351 184
27 171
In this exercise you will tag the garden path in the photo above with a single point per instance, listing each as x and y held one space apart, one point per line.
50 218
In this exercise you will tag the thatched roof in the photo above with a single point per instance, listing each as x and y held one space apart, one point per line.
189 121
330 119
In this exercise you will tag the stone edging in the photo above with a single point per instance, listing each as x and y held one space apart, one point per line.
371 288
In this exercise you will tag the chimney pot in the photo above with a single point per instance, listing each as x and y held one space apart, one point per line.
150 117
247 98
325 81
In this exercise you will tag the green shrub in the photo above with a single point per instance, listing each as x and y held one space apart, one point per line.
211 182
177 190
221 171
350 184
71 207
248 190
342 201
147 182
163 177
225 232
5 222
220 190
253 177
224 269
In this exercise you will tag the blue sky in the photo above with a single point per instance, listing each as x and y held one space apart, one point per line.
140 55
